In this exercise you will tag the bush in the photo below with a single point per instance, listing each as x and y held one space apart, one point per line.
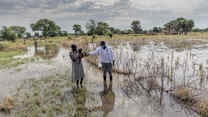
8 34
69 38
1 47
203 108
183 94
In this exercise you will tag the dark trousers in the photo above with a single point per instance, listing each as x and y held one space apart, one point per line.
107 68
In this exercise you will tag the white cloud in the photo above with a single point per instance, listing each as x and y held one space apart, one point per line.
102 2
177 6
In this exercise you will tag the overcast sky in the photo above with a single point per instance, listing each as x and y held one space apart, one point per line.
118 13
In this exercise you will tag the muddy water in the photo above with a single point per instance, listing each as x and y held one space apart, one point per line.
115 102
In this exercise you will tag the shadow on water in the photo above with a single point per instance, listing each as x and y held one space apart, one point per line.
107 97
48 51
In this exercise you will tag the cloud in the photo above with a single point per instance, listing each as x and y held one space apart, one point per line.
178 6
118 13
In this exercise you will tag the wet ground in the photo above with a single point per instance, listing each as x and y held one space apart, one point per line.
98 102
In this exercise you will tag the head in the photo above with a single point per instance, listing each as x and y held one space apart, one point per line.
103 44
74 47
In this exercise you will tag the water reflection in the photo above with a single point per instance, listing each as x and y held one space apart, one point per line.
49 51
107 97
79 96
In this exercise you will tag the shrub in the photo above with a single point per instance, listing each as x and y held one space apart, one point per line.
203 108
183 93
1 47
69 38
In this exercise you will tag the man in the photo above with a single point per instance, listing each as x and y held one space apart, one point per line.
106 57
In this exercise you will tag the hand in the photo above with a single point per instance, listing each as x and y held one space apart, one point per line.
86 54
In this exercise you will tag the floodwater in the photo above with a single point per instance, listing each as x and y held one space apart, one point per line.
126 98
182 67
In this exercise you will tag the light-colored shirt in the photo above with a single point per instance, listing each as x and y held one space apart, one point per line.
105 55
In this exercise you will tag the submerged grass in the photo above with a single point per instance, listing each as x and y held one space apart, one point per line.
6 57
43 98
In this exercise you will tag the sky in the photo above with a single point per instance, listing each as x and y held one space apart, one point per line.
118 13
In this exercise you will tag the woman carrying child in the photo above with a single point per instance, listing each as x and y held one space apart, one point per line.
76 56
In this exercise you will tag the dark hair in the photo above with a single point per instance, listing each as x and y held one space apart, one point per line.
74 47
102 43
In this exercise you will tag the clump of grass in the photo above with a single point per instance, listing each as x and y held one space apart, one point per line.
43 97
7 104
203 108
69 38
1 47
183 94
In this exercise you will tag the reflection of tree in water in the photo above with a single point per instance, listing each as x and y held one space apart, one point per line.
79 96
108 100
49 51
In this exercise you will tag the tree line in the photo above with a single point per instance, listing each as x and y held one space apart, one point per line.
48 28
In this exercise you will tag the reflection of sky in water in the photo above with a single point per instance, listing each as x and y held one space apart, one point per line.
183 63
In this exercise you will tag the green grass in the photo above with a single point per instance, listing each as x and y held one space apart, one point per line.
44 97
6 57
7 60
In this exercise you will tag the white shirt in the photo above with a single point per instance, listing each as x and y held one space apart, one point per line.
105 55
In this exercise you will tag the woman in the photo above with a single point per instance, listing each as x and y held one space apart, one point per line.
77 67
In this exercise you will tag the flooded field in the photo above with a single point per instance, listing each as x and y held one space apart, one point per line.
156 70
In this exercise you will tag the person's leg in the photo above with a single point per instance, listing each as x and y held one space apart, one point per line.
77 83
81 81
104 75
110 75
111 80
110 69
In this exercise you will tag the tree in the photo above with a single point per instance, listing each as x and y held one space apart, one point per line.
102 28
91 27
8 34
136 26
157 30
77 29
179 26
46 26
114 30
126 31
19 30
28 35
63 33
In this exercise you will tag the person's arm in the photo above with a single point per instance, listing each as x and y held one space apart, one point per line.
94 52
